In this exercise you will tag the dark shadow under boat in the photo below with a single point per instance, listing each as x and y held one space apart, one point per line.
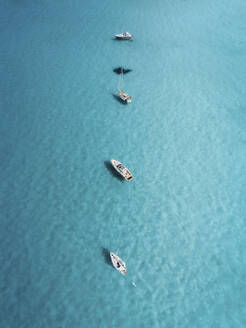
120 70
119 39
106 255
113 172
119 99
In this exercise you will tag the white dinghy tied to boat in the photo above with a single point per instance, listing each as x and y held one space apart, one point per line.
122 170
118 263
124 36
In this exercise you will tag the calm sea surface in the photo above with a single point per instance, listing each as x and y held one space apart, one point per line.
180 224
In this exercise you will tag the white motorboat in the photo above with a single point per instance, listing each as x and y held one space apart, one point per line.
122 170
124 36
125 97
118 263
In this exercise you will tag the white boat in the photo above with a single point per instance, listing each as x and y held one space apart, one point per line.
124 36
125 97
122 170
118 263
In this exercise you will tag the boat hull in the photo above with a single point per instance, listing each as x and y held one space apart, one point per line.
124 36
126 174
118 264
125 97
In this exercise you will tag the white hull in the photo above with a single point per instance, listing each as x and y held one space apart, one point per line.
118 263
124 36
122 170
125 97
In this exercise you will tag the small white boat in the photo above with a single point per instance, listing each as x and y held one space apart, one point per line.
125 97
122 170
124 36
118 263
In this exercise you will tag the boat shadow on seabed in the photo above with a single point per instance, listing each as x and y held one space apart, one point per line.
106 255
112 171
121 70
120 40
116 97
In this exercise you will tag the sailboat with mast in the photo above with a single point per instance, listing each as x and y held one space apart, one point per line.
118 263
123 95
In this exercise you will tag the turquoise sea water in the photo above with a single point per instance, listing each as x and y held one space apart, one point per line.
180 224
